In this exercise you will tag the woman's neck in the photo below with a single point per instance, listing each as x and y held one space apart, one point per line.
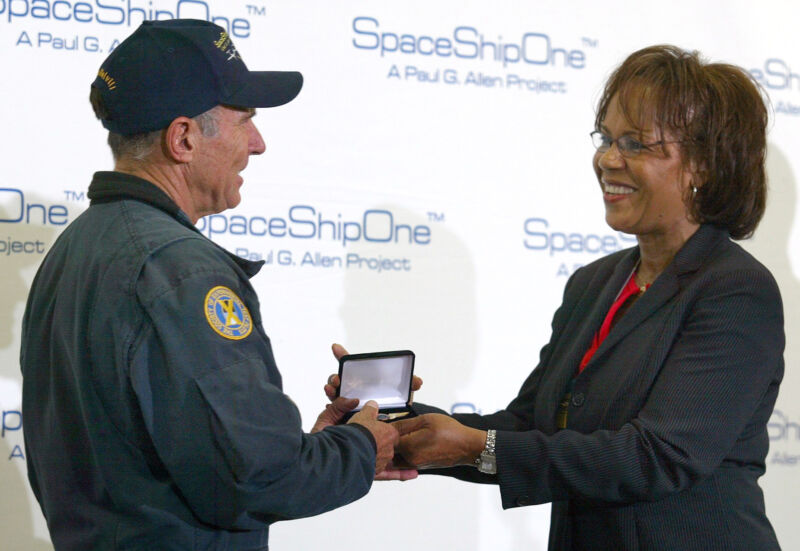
657 251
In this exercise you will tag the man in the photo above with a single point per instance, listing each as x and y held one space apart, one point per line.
153 410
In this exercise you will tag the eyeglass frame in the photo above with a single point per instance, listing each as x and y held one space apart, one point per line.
625 151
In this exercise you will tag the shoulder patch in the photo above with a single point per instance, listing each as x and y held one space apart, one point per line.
226 314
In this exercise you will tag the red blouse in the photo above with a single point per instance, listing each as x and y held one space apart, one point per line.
627 292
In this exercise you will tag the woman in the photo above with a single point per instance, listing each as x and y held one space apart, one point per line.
645 421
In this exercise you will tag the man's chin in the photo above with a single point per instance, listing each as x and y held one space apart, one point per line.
234 200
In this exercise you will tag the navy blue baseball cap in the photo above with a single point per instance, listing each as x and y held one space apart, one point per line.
182 67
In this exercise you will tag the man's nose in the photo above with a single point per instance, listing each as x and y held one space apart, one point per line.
257 145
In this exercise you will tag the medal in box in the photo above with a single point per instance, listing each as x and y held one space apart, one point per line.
384 377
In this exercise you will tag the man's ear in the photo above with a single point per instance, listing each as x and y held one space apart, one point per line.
181 140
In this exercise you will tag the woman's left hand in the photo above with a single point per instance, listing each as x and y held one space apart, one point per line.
436 440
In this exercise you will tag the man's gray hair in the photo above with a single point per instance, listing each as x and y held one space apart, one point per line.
139 146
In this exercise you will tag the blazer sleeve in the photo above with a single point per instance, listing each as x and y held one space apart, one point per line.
518 416
715 387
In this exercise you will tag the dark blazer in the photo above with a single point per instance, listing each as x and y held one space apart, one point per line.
667 425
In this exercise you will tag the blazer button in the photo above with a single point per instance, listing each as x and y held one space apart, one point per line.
577 399
523 500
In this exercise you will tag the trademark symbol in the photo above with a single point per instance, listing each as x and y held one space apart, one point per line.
256 10
76 196
590 42
435 216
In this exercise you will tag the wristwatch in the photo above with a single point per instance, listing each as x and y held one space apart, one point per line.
487 460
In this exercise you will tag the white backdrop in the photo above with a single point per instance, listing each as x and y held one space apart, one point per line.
430 192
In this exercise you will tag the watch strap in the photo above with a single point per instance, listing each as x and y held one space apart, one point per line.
486 462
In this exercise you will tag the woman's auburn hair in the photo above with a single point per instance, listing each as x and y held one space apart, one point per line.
719 116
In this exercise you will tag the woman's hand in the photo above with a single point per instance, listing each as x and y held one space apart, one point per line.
436 440
396 469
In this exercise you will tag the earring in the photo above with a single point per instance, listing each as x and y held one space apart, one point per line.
694 191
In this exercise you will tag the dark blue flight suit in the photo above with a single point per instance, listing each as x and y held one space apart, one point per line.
153 411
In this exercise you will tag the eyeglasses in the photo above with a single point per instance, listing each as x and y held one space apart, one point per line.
627 146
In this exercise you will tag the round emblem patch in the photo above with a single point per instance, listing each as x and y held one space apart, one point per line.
227 314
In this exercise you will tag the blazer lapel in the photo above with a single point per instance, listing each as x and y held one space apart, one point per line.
666 286
597 306
590 311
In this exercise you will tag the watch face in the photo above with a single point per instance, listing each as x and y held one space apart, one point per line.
488 464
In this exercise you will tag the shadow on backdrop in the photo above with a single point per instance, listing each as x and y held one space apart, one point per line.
430 309
16 502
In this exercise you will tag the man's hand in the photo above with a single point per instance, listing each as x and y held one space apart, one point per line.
395 471
436 440
333 381
334 413
386 436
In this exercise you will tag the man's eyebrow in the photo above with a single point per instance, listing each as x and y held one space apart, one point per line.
247 113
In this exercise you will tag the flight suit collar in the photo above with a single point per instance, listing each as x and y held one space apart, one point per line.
108 187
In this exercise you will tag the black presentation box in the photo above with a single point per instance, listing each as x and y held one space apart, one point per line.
381 376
